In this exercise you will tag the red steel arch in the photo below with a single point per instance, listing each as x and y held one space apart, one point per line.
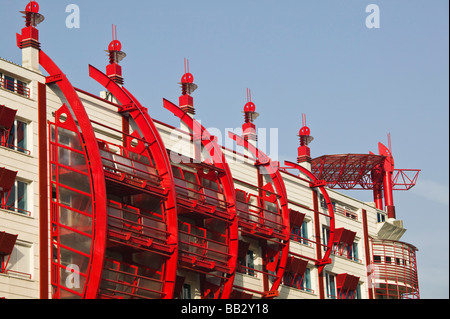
263 160
75 111
320 184
219 161
156 147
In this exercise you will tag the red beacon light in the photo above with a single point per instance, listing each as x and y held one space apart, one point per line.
250 109
116 55
187 88
304 133
32 15
187 80
115 49
249 129
304 153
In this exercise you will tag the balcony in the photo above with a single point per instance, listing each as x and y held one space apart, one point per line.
203 249
200 193
131 226
258 216
128 172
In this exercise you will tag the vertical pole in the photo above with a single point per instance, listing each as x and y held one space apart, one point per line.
318 243
367 251
262 242
388 196
43 192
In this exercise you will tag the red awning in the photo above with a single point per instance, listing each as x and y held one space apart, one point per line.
296 265
296 218
7 242
7 179
7 117
347 282
344 236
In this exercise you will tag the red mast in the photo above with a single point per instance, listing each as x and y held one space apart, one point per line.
187 88
248 128
114 70
30 35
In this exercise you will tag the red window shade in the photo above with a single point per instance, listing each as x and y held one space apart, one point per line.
7 179
7 242
179 285
243 248
296 218
7 117
346 282
344 236
296 265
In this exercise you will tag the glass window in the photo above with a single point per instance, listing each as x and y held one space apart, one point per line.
17 137
20 260
331 286
250 263
353 251
16 199
186 292
306 282
22 88
8 83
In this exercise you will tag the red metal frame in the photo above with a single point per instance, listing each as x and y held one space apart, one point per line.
280 191
218 161
315 182
159 154
95 169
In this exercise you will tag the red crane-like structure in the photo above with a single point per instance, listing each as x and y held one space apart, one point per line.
366 171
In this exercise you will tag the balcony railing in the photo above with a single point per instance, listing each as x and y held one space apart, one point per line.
132 226
15 86
203 248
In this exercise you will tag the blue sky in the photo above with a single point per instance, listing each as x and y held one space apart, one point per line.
354 84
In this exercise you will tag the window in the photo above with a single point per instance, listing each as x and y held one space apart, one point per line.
325 236
248 263
381 217
16 199
17 137
13 85
306 282
20 260
300 234
186 292
8 83
353 251
331 286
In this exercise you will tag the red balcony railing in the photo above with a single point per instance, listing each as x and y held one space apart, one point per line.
15 86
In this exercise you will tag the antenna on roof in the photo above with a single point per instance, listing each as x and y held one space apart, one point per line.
32 15
187 81
115 48
115 53
304 133
250 109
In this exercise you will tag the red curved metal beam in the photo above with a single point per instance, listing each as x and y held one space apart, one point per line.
95 168
220 162
162 162
317 183
263 159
